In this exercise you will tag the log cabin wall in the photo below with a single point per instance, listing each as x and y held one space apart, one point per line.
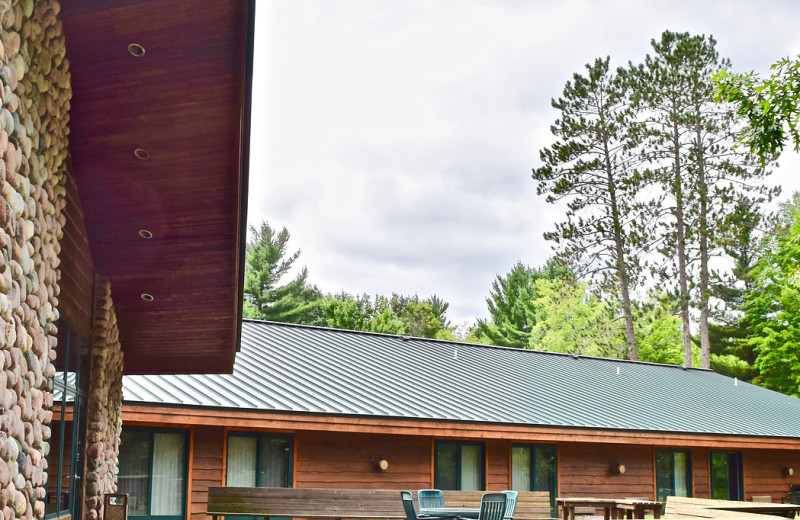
585 470
207 467
763 472
701 478
497 458
344 460
77 280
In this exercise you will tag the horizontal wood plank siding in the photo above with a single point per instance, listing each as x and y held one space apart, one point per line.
331 460
701 479
76 285
586 471
206 467
763 476
497 477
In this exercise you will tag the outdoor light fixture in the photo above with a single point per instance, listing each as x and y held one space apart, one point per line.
786 471
617 468
136 50
141 153
147 297
146 234
379 463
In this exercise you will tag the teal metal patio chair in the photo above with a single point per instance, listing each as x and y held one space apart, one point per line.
511 504
791 498
430 498
493 506
408 507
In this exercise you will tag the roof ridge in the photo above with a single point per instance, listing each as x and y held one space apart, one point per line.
468 344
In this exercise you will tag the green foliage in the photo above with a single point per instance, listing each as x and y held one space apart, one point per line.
593 167
511 304
408 315
569 319
773 306
266 264
770 106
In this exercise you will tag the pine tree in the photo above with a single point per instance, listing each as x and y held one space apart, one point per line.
594 167
267 263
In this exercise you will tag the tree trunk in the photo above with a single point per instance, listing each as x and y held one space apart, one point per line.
621 267
705 343
681 246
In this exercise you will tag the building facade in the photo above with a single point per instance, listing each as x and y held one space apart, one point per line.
312 407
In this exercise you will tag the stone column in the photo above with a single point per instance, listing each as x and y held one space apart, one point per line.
104 406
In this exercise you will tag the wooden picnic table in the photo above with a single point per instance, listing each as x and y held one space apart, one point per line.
613 508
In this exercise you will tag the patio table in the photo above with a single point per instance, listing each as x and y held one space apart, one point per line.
638 508
568 506
451 512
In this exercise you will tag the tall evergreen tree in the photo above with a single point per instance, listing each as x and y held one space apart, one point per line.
511 306
594 167
267 262
706 174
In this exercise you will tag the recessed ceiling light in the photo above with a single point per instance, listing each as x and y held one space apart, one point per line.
141 153
136 50
146 234
147 297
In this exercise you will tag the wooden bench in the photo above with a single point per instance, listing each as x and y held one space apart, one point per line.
327 503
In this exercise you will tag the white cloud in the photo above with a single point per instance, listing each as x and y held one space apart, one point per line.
395 139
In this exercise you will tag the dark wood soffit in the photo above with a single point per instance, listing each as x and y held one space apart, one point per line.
186 102
259 420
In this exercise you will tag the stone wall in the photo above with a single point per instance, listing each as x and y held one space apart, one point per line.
34 93
104 407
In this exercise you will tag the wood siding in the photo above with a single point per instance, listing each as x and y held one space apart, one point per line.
763 476
585 471
207 467
701 477
75 299
341 460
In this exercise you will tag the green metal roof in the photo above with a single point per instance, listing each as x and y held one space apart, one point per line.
292 368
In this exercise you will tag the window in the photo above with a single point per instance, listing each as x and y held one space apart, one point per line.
673 474
68 429
259 460
533 468
726 475
459 465
152 470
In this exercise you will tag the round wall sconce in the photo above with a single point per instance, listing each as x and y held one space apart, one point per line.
136 50
379 463
147 297
618 469
786 471
141 153
146 234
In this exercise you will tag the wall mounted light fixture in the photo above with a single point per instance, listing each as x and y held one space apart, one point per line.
379 463
786 471
617 468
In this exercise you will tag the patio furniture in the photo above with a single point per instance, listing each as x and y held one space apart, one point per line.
762 498
430 498
634 508
493 506
408 507
511 504
791 498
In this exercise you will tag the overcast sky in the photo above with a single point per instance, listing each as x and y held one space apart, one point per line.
395 139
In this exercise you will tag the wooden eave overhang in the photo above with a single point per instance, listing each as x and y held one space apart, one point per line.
148 414
186 104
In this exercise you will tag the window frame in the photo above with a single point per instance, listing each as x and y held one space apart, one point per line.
186 453
689 474
460 445
533 446
73 341
740 472
258 436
